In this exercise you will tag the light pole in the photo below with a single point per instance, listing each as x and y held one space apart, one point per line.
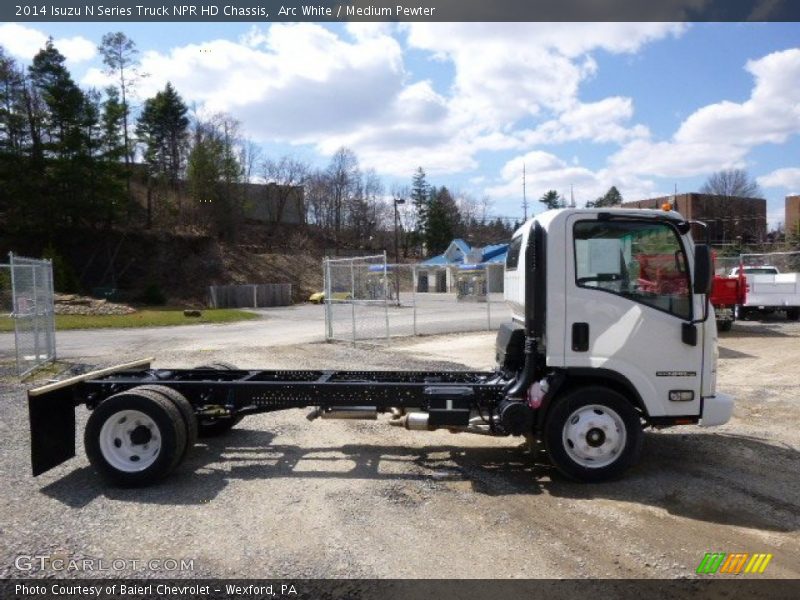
397 249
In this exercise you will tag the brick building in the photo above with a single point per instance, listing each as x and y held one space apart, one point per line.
792 220
729 218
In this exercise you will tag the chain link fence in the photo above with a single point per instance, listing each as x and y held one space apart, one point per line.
785 262
26 288
369 300
357 297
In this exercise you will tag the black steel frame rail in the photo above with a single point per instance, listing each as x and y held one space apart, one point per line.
238 392
248 392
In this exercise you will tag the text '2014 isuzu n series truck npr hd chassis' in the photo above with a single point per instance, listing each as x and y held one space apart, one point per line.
602 344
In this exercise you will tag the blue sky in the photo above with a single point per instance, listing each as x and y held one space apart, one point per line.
645 107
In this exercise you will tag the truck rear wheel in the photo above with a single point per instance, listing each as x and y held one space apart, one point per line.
741 313
135 437
185 408
793 314
211 426
593 434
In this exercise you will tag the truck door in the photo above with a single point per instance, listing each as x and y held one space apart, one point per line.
628 295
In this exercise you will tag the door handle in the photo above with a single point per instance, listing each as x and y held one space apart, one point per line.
580 337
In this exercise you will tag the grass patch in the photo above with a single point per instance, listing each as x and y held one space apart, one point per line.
142 318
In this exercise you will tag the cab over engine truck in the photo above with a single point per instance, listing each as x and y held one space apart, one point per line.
597 351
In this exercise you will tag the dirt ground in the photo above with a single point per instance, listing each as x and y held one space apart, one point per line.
281 497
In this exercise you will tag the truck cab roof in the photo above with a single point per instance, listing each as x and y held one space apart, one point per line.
549 217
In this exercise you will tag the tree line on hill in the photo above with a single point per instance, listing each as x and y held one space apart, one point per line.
74 158
77 158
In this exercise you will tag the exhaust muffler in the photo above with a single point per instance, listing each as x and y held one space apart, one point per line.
413 421
420 422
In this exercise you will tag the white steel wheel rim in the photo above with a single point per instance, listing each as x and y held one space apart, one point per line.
130 441
594 436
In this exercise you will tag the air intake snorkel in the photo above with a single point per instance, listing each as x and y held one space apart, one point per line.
535 305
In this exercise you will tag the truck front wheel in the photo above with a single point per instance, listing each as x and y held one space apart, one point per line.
593 434
724 325
793 314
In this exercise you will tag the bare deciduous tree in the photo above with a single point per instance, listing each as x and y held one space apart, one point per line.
343 177
730 183
286 175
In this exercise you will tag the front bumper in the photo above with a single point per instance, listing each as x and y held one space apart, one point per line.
717 410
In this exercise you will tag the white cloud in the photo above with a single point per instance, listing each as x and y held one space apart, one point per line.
76 49
602 121
545 171
24 43
671 159
787 178
770 115
305 84
297 83
721 135
505 71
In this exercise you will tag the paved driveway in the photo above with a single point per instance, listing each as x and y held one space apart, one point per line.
278 326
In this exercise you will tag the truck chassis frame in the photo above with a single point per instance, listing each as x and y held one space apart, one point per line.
449 397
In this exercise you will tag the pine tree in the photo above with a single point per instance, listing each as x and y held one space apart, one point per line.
163 127
420 190
443 222
64 123
552 199
611 198
119 55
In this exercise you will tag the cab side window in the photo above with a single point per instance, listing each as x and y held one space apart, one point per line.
512 258
640 260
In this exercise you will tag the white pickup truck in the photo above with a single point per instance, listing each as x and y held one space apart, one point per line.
769 290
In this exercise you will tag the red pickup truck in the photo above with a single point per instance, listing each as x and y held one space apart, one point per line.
726 294
660 274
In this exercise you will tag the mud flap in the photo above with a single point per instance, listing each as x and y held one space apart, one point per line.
51 411
52 423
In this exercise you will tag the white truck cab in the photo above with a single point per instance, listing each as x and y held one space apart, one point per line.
620 310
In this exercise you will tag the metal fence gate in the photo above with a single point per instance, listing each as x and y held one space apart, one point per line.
27 287
357 296
368 300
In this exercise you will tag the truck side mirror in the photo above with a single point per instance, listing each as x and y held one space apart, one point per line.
703 269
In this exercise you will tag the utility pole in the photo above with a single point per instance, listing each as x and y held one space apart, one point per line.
571 197
524 196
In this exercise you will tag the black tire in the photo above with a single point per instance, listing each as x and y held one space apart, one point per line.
612 408
164 416
793 314
724 325
185 408
212 427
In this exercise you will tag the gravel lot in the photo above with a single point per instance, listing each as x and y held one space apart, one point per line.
279 497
